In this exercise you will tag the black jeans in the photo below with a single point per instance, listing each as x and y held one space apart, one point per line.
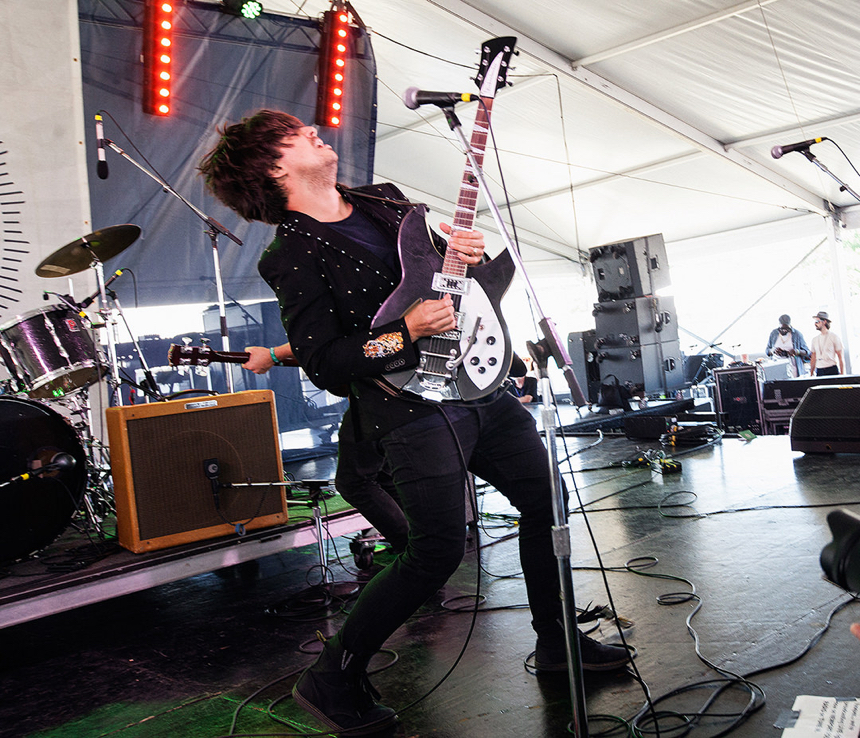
363 480
500 444
826 371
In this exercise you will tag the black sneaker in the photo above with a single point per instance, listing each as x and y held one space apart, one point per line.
342 701
596 656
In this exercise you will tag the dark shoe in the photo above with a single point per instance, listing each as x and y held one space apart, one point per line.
596 656
338 693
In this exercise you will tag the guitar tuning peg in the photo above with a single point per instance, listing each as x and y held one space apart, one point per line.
204 340
186 340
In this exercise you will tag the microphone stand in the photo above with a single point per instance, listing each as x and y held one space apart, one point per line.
212 230
550 345
842 186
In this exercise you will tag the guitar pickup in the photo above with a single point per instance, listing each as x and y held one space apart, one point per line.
450 284
456 333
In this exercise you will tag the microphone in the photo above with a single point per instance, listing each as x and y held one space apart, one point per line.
413 98
101 167
92 298
777 151
60 460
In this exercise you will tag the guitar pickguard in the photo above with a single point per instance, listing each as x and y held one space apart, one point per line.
485 363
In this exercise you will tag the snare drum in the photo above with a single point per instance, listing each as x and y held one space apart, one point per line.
49 353
38 509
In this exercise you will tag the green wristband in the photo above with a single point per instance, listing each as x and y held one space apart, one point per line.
274 358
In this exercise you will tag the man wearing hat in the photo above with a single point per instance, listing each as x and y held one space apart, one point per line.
827 352
787 342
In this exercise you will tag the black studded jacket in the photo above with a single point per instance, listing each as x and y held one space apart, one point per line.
329 288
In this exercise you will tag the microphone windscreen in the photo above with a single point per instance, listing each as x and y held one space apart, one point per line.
410 98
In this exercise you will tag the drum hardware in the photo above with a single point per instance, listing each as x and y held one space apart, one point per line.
90 252
98 502
213 229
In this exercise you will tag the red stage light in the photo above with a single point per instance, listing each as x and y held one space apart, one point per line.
334 48
158 23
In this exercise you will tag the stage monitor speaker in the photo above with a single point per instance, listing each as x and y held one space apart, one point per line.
161 453
739 405
827 420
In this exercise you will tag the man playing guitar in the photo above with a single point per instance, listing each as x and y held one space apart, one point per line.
333 262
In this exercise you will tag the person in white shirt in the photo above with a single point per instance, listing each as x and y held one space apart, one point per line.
827 352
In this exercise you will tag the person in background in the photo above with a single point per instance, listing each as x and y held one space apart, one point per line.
827 352
788 343
523 384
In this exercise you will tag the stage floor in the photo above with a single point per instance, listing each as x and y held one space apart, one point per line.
743 523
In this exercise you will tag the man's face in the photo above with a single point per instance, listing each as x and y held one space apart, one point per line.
819 324
304 155
784 330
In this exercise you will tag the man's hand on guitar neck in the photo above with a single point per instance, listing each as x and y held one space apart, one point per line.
469 245
261 357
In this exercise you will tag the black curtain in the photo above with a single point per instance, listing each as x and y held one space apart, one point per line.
225 67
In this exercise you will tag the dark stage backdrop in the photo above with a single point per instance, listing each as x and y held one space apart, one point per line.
225 67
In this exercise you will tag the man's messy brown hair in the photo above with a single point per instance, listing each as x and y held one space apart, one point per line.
238 170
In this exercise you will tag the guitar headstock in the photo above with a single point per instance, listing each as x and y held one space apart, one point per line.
188 355
493 67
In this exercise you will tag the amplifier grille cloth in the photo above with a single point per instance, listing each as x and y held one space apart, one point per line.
173 493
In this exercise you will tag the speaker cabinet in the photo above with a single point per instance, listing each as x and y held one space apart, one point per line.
648 368
637 320
163 494
827 420
630 268
739 404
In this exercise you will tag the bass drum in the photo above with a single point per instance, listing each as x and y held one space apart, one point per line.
38 509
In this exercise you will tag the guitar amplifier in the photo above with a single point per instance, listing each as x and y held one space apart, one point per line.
160 455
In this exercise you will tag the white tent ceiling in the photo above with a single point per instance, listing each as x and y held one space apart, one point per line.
625 117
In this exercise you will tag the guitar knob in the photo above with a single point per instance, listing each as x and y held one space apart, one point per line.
491 340
492 361
474 361
482 370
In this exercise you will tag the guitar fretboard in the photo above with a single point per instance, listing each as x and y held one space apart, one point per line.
467 200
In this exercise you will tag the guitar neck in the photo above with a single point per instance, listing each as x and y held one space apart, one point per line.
467 200
229 357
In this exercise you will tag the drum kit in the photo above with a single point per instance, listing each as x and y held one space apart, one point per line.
51 466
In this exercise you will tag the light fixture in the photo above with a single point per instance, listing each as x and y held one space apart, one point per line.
249 9
335 39
158 54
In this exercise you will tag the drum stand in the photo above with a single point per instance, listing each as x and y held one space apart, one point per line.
98 496
149 386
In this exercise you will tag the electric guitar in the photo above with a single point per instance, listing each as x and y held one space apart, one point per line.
203 356
472 360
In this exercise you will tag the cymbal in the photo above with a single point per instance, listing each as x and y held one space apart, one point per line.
76 256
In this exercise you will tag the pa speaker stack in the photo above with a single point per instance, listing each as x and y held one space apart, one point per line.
636 332
170 459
